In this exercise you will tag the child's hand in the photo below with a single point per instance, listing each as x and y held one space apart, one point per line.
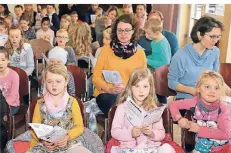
194 127
49 145
184 123
5 118
63 142
147 130
136 131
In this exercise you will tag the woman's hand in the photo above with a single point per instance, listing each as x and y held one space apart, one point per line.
117 89
136 131
184 123
147 130
63 142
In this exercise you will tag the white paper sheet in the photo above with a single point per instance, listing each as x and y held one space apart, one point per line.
112 76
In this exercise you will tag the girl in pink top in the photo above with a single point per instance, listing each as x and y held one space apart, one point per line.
211 119
9 81
142 138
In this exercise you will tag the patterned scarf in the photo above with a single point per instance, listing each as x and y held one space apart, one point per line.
123 51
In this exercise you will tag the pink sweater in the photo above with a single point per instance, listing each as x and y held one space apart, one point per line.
222 132
10 88
122 131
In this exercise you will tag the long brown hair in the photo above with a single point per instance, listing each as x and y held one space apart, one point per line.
9 44
138 75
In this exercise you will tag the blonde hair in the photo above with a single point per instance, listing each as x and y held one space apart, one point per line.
154 25
100 9
62 31
138 75
107 33
9 45
66 17
57 68
129 7
208 74
82 39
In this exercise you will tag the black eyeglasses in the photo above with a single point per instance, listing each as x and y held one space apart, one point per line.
126 31
214 37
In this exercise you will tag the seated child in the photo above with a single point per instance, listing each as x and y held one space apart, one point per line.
62 38
141 138
18 11
9 82
59 55
21 54
45 32
57 107
39 17
3 32
211 115
25 26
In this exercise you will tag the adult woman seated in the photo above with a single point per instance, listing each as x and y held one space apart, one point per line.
197 56
121 55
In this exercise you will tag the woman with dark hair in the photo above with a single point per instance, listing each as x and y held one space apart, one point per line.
4 11
199 55
122 55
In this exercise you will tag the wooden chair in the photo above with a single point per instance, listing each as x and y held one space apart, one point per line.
31 108
24 93
225 71
80 80
40 47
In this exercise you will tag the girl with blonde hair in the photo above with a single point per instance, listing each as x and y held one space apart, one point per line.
211 115
82 40
141 137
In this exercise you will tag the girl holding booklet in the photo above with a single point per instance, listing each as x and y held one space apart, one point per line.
58 108
211 115
145 137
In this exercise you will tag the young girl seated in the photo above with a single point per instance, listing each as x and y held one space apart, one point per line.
3 32
59 55
58 108
21 54
142 138
9 81
25 26
45 32
211 115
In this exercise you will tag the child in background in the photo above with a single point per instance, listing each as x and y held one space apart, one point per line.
3 32
58 105
132 139
9 81
99 13
30 13
106 41
161 51
140 16
72 27
18 11
82 40
21 54
211 115
54 19
65 22
58 55
9 20
39 16
62 38
29 33
45 32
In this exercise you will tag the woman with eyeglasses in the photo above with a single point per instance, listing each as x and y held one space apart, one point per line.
121 55
199 55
